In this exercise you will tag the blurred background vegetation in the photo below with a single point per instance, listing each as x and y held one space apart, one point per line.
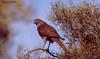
81 25
79 22
10 11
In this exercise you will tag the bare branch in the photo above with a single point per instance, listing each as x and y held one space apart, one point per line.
44 50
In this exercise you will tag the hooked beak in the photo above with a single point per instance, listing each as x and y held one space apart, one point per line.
33 21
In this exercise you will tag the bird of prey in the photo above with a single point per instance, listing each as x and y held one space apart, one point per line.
48 33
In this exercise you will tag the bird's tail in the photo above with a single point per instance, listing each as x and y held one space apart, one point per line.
61 38
60 44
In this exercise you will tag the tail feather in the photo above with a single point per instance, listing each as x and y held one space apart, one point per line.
60 44
67 54
62 38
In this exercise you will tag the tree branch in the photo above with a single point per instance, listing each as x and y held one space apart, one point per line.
44 50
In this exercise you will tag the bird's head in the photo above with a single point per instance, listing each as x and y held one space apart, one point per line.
37 21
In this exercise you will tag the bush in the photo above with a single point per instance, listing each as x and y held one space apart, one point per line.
81 25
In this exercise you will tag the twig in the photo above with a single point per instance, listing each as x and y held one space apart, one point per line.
45 50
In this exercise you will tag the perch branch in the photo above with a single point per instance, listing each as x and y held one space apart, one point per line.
45 50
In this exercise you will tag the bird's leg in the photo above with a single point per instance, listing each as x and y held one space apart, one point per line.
44 38
44 43
49 44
